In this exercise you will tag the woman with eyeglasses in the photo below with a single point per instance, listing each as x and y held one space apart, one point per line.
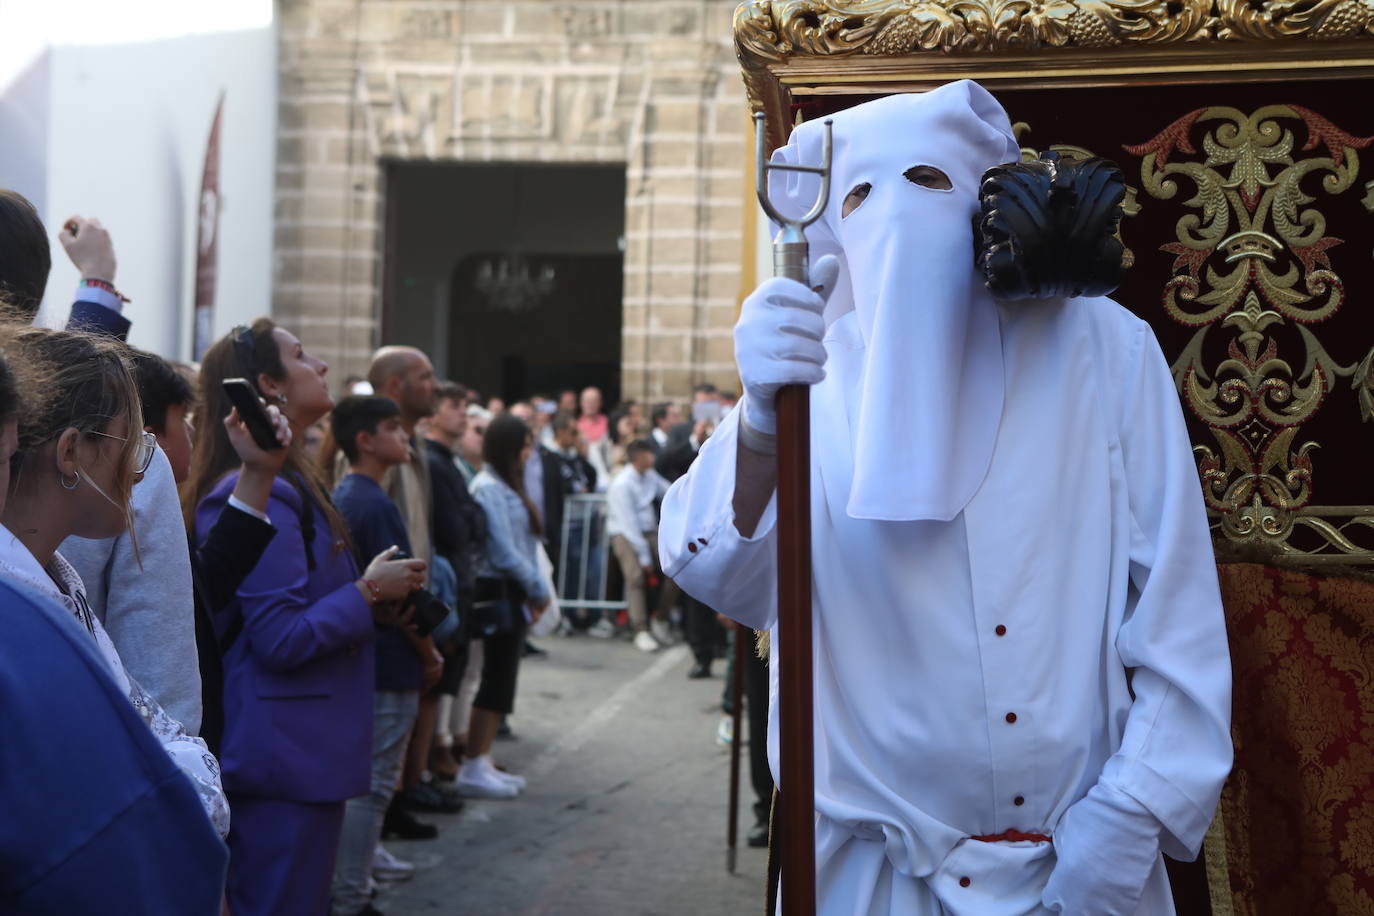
297 639
81 448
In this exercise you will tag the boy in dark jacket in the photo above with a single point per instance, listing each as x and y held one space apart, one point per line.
369 432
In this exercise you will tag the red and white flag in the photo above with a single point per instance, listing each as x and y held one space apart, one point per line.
207 240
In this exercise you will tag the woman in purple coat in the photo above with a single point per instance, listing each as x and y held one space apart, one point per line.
297 641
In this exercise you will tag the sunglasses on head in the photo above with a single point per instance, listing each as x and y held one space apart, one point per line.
244 350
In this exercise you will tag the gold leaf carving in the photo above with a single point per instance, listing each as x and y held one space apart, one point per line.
775 29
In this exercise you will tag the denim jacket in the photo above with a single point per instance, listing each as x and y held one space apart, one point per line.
511 549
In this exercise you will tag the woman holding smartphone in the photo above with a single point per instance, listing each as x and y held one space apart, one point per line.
297 640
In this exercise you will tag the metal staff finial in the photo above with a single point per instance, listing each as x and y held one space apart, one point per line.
789 248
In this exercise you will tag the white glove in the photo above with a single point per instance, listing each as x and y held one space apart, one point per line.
778 340
1107 844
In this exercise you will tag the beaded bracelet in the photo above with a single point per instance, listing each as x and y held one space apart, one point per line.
106 286
373 589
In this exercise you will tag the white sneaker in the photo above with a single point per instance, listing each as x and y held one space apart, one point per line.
476 781
386 867
517 781
602 629
646 643
661 632
725 731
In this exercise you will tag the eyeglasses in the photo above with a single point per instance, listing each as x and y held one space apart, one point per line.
143 449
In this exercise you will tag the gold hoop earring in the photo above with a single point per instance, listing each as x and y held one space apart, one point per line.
62 479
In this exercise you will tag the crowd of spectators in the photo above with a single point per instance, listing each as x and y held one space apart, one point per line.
286 630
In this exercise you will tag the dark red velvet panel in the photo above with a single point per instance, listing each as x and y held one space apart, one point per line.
1299 806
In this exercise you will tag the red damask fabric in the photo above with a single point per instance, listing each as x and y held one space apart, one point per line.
1298 809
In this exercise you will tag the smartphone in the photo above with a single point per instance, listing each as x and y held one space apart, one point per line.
244 396
706 410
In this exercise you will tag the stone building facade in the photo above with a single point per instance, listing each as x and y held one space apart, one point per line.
652 84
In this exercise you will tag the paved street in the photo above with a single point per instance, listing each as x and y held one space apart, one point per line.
626 810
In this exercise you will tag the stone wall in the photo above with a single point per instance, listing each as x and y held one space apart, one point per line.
652 84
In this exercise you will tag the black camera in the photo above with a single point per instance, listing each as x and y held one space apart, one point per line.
429 610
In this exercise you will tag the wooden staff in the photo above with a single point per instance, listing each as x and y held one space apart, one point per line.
741 636
797 784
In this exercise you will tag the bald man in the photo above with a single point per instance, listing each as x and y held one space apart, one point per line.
406 376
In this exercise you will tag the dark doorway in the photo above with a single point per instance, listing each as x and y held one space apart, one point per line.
509 276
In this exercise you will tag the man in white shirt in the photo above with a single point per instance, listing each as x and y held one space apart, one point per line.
632 524
1021 672
664 417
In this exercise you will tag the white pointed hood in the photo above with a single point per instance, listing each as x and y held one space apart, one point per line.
932 380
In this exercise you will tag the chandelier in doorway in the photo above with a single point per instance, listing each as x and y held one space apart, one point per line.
509 283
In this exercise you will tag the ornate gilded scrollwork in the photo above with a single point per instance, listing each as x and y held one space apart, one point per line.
775 29
772 33
1251 258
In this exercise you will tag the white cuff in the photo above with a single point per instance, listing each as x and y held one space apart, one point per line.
244 507
760 419
754 440
101 297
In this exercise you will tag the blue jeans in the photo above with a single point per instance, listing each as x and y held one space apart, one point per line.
583 575
393 715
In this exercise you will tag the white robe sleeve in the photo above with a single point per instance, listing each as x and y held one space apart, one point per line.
1176 751
702 550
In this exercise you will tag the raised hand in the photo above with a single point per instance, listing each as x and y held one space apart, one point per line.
260 466
88 245
252 456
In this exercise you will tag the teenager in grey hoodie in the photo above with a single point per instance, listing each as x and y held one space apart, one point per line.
147 603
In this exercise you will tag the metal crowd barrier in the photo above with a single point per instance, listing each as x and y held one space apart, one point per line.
584 554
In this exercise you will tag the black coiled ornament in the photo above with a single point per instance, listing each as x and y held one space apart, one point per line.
1048 228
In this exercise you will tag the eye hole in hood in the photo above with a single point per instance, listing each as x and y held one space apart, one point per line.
928 176
855 197
925 176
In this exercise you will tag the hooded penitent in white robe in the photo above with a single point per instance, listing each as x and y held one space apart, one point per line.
989 651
